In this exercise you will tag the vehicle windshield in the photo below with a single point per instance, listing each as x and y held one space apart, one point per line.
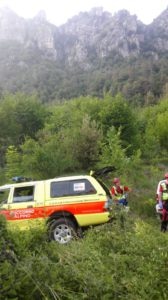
4 196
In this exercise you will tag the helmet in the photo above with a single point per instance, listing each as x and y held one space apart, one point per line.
166 175
116 180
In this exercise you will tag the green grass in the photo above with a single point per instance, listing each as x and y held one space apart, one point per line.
125 259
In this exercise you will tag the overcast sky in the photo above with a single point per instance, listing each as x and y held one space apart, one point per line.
59 11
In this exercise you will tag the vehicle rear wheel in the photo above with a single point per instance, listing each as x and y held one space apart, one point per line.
63 230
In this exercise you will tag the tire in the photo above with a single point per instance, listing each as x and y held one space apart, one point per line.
63 230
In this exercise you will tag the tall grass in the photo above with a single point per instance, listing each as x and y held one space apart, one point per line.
124 259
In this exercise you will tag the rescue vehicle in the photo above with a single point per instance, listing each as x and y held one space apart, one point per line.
65 205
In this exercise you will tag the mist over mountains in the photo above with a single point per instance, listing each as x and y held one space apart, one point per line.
92 54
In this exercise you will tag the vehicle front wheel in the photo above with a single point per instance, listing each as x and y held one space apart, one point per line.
63 230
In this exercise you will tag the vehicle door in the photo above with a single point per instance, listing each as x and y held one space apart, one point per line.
4 200
27 203
22 204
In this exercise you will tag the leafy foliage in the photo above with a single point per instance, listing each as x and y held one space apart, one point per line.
20 116
112 151
13 162
81 134
121 259
125 259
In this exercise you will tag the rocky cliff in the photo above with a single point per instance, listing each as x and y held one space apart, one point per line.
36 32
89 41
91 34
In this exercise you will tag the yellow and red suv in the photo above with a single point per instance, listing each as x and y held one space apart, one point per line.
66 204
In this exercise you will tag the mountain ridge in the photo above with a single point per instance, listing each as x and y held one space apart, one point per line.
91 42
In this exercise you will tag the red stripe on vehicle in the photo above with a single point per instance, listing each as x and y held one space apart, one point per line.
43 212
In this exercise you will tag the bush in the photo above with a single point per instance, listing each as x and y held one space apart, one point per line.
125 259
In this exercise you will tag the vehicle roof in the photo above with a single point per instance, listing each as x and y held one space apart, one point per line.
7 186
71 177
27 183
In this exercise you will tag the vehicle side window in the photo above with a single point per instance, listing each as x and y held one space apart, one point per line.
72 188
4 194
23 194
104 187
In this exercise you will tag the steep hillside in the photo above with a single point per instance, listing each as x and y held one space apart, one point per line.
92 53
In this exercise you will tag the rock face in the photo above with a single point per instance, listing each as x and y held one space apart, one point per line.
40 34
31 33
97 35
12 27
93 53
158 33
86 37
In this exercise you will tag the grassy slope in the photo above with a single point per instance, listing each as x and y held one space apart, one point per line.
125 259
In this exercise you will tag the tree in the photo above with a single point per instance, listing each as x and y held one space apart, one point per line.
154 132
30 114
86 143
68 150
27 116
113 152
13 163
116 112
162 129
48 157
20 116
